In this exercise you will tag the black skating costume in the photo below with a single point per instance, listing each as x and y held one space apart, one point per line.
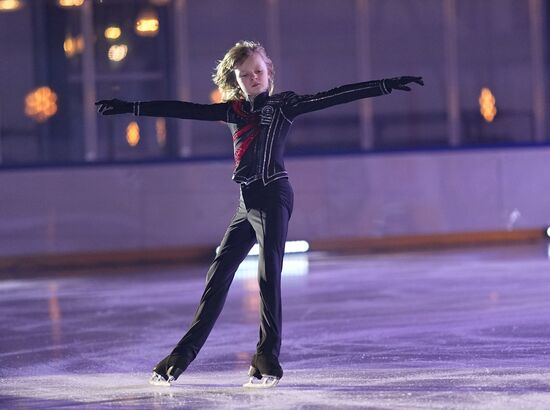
259 132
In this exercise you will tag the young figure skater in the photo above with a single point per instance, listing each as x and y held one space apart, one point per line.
259 122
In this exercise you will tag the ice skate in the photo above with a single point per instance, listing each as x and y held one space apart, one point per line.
164 375
159 380
264 372
259 380
166 379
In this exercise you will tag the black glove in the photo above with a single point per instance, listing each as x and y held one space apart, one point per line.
115 106
399 83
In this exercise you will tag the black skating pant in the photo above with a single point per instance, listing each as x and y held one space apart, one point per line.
262 216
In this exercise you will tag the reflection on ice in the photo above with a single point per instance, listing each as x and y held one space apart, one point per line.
293 265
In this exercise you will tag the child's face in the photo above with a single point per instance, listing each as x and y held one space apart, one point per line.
252 75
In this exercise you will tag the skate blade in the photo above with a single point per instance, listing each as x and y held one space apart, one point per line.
157 380
266 382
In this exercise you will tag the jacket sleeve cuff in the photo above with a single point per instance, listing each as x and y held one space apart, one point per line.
385 87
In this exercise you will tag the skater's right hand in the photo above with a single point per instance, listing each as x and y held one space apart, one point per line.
114 106
400 83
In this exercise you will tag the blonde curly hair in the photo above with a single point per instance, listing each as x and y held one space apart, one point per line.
224 76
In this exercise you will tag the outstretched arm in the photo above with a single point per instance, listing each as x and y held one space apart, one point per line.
176 109
300 104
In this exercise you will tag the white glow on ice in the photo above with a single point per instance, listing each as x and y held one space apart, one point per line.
293 265
548 232
290 247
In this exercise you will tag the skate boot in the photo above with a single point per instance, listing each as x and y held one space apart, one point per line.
167 371
265 372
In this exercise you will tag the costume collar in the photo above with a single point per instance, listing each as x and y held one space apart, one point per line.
259 100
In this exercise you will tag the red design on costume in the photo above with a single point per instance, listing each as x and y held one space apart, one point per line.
238 108
253 125
244 129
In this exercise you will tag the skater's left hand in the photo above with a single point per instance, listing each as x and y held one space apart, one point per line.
400 83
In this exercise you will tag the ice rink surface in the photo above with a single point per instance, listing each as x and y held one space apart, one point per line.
448 329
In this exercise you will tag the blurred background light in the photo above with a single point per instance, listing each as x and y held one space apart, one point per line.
41 104
10 5
216 96
160 127
70 3
132 134
487 104
73 45
112 32
147 23
117 52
